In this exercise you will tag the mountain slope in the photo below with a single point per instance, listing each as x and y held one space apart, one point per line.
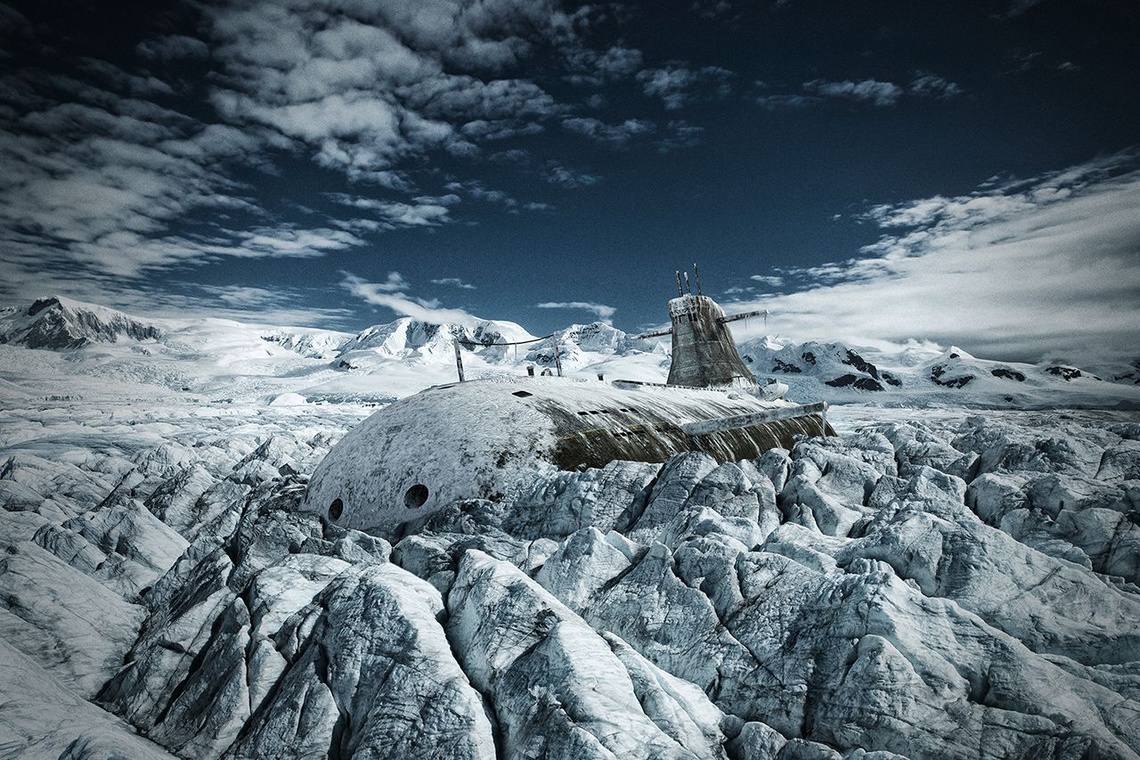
60 323
952 376
92 352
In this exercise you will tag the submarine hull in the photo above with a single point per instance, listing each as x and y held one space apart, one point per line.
485 439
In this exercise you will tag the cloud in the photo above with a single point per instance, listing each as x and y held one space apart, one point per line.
677 84
614 134
106 178
773 102
243 303
680 134
476 190
454 282
371 89
929 85
390 294
604 313
394 284
870 90
557 174
594 67
923 85
1029 270
423 211
772 281
99 183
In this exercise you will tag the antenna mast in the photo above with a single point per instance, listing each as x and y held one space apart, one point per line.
697 277
680 293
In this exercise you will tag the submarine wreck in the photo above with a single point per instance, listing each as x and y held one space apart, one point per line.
487 438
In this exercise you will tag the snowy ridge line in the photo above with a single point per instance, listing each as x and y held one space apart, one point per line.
94 353
474 344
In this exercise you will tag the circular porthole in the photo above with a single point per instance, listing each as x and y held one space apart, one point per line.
335 509
415 496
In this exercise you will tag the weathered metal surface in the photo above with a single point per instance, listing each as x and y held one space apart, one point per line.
704 353
707 427
484 438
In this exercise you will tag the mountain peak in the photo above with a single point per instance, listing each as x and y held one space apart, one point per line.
56 322
44 303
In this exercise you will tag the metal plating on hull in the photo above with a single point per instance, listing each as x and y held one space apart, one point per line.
483 439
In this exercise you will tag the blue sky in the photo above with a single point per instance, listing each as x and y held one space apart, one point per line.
963 173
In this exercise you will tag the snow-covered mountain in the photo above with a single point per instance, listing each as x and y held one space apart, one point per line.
57 322
93 352
89 351
918 375
932 583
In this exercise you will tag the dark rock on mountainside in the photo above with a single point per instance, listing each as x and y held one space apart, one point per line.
1008 374
940 374
782 366
1064 372
853 381
58 323
858 362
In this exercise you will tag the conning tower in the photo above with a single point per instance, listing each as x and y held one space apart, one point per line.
704 353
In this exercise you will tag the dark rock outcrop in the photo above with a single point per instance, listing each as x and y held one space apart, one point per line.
57 323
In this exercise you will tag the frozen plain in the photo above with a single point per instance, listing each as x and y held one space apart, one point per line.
934 582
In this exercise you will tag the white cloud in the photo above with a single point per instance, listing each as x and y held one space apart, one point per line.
677 84
391 295
453 282
371 88
557 174
928 85
871 90
604 313
773 102
102 179
594 67
772 281
394 284
615 134
291 242
478 191
243 303
423 211
1026 271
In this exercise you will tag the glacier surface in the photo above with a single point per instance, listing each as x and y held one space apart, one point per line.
924 585
931 583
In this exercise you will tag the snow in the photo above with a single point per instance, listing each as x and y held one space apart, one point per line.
937 581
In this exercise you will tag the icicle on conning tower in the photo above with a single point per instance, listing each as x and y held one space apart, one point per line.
489 439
